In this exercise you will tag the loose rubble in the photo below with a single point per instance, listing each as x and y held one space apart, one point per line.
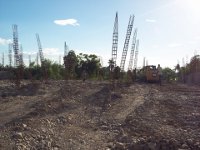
90 115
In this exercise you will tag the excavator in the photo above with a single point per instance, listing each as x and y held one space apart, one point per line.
151 73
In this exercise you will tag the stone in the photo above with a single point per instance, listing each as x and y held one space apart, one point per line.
119 145
184 146
18 135
24 125
152 146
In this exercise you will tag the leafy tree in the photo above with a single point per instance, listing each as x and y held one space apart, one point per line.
70 62
89 63
169 74
194 65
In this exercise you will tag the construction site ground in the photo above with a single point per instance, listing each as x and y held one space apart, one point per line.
64 115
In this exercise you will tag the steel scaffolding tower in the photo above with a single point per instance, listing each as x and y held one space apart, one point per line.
29 57
126 43
10 54
130 66
21 62
37 59
66 49
115 40
3 59
15 46
136 54
40 49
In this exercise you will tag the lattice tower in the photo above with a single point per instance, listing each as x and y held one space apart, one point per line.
3 59
126 43
130 66
40 49
115 40
66 49
136 54
29 57
15 46
21 62
10 54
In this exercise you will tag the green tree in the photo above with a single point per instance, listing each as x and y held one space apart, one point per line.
70 62
194 65
89 63
169 74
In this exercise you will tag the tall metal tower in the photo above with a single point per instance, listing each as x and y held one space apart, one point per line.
3 59
10 54
40 49
59 60
126 43
130 66
115 40
66 49
37 59
21 62
29 57
15 45
144 61
136 54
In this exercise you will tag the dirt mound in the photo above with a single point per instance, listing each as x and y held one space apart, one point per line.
88 115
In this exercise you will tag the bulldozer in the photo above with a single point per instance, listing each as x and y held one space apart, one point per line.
151 73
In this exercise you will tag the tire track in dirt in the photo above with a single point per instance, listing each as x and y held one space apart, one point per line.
132 97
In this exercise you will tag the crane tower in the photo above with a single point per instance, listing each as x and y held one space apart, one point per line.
130 66
40 49
136 54
115 40
126 43
21 62
66 49
10 54
15 45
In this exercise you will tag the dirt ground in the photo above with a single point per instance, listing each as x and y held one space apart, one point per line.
61 115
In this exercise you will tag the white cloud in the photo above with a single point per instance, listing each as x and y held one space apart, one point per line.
197 38
192 42
5 41
52 51
155 46
65 22
150 20
174 45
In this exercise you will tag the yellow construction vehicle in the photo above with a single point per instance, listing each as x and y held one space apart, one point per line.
151 73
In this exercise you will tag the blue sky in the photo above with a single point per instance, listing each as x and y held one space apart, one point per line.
168 30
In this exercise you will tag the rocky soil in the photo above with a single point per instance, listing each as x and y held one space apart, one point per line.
61 115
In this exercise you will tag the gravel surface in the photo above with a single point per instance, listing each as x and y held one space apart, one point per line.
60 115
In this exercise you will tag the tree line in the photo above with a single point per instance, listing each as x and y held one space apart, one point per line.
77 66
